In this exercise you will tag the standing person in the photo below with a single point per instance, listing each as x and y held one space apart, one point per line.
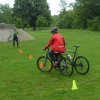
57 44
15 38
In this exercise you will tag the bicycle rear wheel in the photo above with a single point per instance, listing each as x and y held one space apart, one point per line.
81 65
66 67
44 64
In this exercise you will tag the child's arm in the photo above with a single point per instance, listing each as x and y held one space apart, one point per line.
50 43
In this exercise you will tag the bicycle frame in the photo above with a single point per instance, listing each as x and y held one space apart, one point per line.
75 52
48 64
74 55
47 55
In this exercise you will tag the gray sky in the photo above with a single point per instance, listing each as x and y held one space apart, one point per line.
53 4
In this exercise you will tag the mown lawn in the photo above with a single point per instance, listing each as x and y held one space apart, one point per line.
20 78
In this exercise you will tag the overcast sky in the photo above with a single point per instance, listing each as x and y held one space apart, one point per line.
53 4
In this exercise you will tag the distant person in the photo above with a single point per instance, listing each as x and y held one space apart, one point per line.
15 38
57 44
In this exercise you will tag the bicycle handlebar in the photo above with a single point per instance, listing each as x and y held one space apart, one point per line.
46 49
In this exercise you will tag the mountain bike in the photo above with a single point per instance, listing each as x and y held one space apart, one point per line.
80 63
45 64
10 38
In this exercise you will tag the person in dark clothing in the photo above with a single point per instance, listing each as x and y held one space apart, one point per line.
15 38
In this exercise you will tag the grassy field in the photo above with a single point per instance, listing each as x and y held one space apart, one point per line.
21 80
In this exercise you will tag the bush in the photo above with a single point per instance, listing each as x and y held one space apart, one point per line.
94 24
41 22
65 22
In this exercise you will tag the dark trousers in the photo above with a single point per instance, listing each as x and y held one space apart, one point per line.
15 40
53 55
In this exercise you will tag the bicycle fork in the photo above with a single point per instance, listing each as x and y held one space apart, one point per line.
45 61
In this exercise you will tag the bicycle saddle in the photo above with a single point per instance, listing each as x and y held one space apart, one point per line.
77 46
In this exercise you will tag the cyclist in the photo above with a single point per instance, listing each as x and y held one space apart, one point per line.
57 44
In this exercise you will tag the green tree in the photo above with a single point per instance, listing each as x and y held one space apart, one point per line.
94 24
66 16
18 22
29 10
41 21
65 19
55 20
63 4
5 14
86 10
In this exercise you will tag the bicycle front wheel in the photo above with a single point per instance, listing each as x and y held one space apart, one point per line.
44 64
81 65
66 67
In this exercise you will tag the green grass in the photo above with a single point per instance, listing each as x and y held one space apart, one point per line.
20 78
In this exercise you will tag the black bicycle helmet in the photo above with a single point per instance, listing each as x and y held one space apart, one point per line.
54 30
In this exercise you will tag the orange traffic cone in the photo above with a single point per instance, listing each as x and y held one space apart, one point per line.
20 51
41 65
30 57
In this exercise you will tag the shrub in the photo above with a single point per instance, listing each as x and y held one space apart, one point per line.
94 24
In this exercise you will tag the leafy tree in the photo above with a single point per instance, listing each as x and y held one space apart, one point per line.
85 10
65 16
65 19
55 20
29 10
5 14
63 4
41 21
94 24
18 22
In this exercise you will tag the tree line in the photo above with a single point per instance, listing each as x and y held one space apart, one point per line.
26 13
84 14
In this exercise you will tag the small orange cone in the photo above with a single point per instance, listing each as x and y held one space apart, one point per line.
20 51
30 57
41 65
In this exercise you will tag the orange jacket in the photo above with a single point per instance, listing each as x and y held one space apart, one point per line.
57 43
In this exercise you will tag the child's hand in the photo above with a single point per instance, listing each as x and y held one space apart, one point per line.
44 48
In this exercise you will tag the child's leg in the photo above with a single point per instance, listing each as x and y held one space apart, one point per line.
13 42
17 43
57 56
52 56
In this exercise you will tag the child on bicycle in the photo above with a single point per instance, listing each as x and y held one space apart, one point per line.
57 44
